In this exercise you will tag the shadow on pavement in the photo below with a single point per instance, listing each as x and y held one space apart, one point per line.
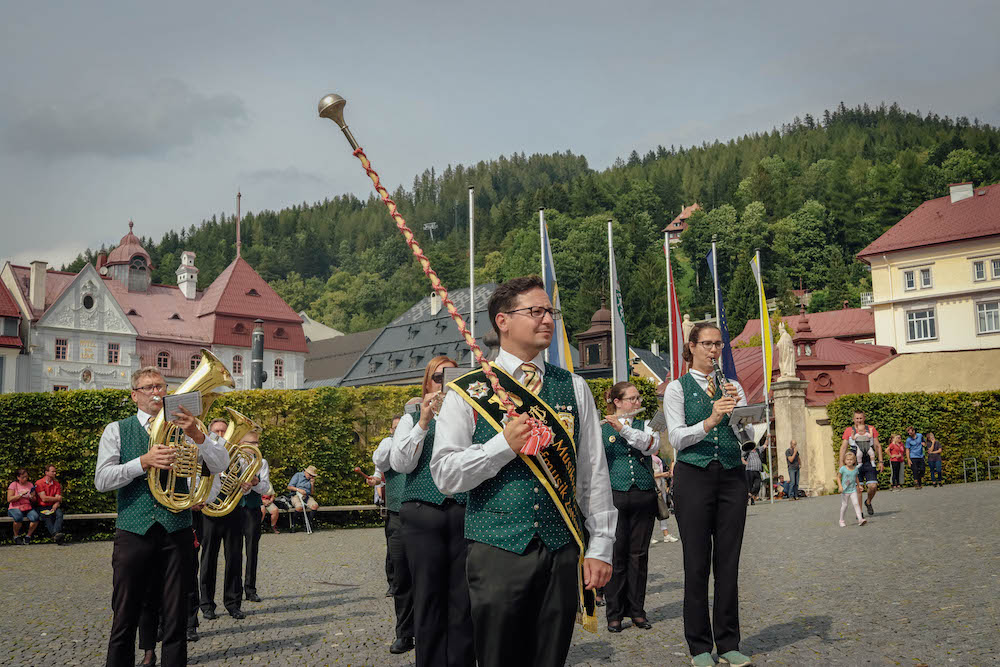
783 634
665 586
591 652
285 646
248 625
335 598
670 610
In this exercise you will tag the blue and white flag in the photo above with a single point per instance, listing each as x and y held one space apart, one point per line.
558 353
728 365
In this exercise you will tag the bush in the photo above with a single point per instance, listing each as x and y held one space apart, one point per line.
966 423
334 429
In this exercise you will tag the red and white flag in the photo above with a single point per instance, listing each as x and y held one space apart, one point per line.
676 327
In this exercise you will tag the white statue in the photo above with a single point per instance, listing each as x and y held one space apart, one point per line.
786 354
686 327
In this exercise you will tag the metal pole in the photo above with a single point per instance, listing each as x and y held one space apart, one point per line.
258 376
670 305
614 304
715 281
472 269
541 240
767 380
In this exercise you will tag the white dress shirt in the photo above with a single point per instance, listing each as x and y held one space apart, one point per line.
459 465
407 444
681 435
380 457
646 441
264 476
112 474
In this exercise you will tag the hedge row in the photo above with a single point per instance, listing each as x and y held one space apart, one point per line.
966 423
334 429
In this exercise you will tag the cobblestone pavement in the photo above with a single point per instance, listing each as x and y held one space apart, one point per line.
918 585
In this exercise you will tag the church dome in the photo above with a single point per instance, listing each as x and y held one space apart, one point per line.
128 248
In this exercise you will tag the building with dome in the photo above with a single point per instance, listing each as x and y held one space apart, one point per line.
92 329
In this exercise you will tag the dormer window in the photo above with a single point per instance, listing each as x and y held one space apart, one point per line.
253 292
138 274
411 332
175 316
131 311
280 333
239 328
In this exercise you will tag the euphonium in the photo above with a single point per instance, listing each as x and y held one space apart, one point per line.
245 462
210 374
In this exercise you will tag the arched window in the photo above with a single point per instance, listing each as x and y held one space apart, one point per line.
237 364
280 333
163 360
195 360
138 275
279 368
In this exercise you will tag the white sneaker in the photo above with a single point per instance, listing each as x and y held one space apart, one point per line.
654 541
842 524
670 538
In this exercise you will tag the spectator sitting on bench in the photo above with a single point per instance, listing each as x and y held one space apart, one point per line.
20 496
301 486
268 507
50 503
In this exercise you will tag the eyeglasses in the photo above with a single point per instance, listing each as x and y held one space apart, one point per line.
438 377
632 399
538 312
150 388
709 344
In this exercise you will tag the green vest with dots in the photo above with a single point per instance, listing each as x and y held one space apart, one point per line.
137 509
419 484
720 444
627 465
251 500
395 484
508 510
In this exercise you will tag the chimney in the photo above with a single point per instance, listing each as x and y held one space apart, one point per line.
36 289
960 191
655 348
435 303
102 259
187 275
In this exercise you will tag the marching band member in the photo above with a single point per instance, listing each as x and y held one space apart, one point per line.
227 532
710 492
401 582
249 510
148 536
629 446
433 527
524 564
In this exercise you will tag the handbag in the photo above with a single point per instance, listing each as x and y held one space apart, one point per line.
662 510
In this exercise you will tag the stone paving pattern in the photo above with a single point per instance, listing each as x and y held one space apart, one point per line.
917 586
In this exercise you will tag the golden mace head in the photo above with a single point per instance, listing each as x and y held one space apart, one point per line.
332 107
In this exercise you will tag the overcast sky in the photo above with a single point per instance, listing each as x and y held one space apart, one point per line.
118 110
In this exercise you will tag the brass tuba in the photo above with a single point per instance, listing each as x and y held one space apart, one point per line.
210 374
245 462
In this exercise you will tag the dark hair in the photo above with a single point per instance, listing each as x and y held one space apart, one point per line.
20 471
51 465
615 393
506 295
860 412
693 337
432 366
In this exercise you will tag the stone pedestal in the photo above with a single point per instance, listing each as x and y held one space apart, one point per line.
790 424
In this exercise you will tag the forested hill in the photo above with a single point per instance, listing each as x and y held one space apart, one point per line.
809 195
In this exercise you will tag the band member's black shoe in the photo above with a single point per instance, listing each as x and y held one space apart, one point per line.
388 592
401 645
237 614
147 664
253 597
192 634
614 626
208 614
642 623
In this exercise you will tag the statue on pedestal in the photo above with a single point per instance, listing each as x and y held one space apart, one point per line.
786 354
686 327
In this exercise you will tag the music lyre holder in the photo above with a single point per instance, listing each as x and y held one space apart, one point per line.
743 417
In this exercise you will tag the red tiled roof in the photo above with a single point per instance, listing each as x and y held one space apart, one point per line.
128 248
10 341
679 223
293 340
155 309
231 294
845 323
55 283
939 221
8 308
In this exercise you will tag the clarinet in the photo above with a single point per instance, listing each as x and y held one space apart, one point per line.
720 379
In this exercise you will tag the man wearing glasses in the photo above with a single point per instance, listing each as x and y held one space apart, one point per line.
524 562
148 536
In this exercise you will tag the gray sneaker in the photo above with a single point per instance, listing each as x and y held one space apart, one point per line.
734 658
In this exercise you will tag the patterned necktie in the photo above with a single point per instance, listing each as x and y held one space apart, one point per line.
532 378
710 389
149 425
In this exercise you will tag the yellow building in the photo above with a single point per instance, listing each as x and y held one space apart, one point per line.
936 294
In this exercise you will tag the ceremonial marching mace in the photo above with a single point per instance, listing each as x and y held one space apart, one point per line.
332 107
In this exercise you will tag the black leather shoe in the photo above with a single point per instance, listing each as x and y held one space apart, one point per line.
253 597
614 626
208 614
642 623
388 592
192 634
401 645
237 614
147 664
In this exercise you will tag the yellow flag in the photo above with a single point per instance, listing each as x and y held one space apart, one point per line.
765 324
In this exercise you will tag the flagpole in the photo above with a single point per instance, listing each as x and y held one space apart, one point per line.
715 282
670 305
767 380
472 270
613 299
541 239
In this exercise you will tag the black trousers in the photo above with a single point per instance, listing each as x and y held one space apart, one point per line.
917 468
151 619
436 548
711 513
897 473
134 558
401 583
523 605
251 535
226 531
388 556
626 590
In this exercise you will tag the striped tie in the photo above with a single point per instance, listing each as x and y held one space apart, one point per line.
710 389
532 378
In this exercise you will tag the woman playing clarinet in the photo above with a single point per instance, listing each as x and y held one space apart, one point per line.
710 495
629 445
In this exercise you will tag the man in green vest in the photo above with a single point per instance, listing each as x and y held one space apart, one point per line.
149 537
524 561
